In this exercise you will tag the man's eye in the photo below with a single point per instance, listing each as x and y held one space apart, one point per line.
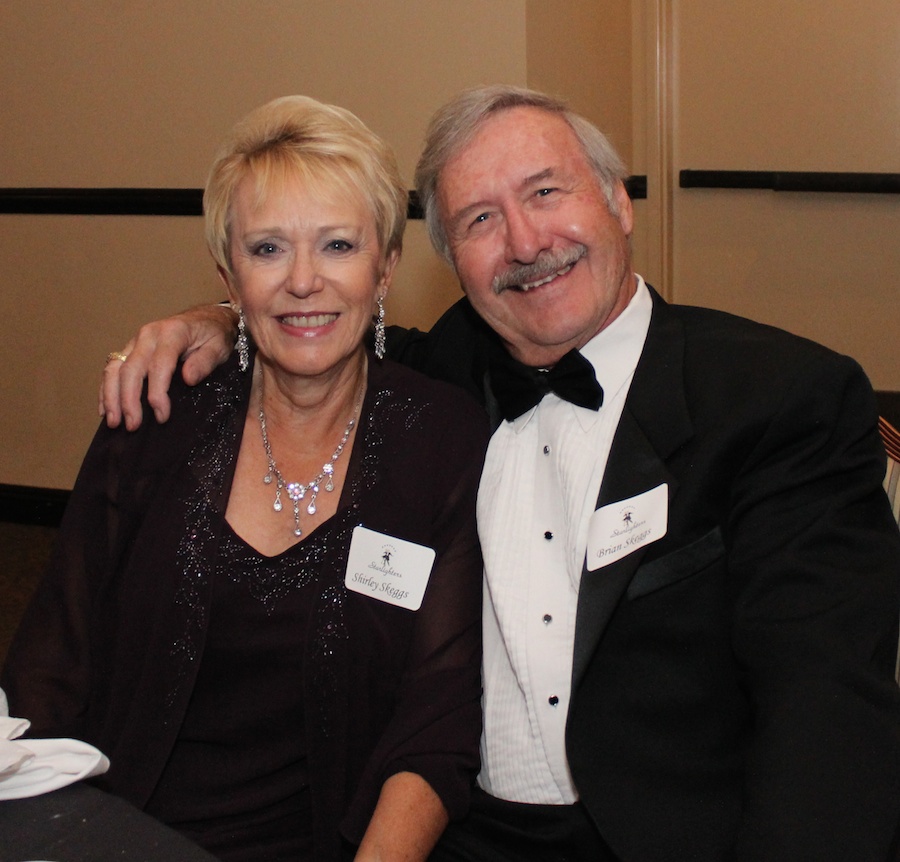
480 219
542 193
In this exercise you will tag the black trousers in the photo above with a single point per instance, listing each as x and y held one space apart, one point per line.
500 831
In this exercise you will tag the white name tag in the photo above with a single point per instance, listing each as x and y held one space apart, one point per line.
388 569
620 528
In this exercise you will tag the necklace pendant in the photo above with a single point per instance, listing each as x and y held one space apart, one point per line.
296 491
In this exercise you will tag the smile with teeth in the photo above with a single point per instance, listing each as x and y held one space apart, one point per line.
526 286
308 321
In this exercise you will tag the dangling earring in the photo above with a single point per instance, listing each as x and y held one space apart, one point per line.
241 346
379 330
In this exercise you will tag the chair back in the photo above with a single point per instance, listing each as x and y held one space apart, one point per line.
891 438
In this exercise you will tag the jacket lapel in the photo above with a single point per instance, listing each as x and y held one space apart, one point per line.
654 423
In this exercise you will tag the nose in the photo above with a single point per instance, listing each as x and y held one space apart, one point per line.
303 276
524 241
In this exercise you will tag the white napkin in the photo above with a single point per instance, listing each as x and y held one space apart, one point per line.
30 767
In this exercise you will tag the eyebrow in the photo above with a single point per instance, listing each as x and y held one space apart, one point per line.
463 214
545 174
279 229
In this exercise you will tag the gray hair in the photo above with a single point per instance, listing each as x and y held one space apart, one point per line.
455 124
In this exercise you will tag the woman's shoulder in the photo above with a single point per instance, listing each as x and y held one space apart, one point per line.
202 408
226 381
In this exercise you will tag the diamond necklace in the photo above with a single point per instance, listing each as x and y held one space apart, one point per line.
296 491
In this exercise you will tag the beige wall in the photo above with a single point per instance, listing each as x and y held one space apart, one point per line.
582 51
771 86
139 94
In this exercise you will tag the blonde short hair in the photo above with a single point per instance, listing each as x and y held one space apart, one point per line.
322 145
455 125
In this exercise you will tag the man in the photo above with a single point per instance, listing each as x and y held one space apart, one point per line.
692 577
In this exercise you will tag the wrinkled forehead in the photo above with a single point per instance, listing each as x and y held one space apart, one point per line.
510 150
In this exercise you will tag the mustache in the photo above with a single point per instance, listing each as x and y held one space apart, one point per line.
546 263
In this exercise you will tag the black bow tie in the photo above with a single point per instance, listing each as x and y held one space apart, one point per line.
519 387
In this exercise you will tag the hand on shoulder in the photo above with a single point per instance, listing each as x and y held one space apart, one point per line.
203 336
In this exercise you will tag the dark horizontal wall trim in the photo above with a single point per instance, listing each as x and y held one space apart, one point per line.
152 202
793 181
637 187
156 202
21 504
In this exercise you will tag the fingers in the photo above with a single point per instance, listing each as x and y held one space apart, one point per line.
154 357
109 403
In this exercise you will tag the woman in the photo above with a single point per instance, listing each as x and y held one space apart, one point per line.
257 681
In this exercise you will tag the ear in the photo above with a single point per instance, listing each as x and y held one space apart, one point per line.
626 211
226 279
387 273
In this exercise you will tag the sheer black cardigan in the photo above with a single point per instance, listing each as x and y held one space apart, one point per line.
109 648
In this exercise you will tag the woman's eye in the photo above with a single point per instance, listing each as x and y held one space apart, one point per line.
265 248
339 245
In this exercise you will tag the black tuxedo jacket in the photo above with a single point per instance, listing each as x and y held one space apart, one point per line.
733 683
